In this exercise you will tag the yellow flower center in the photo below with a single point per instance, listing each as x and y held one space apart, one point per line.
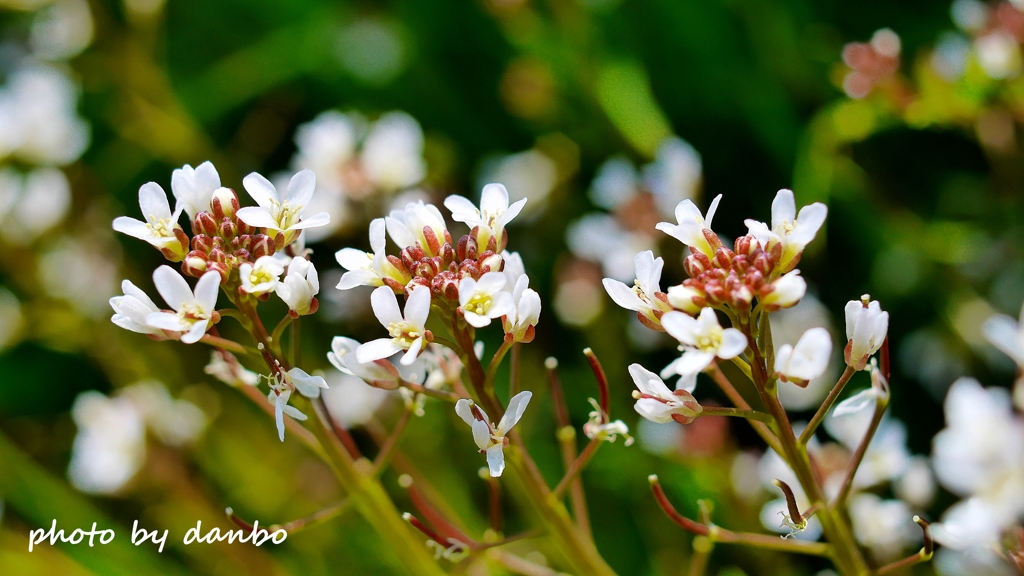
285 213
788 226
160 227
478 304
402 331
192 312
258 276
710 341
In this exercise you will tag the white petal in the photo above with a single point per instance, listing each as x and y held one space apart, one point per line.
417 306
693 361
494 198
410 355
496 460
257 218
206 291
463 409
687 382
856 403
513 211
648 271
385 306
783 208
476 320
1002 332
648 382
516 406
261 190
481 434
399 232
355 278
623 295
491 283
172 287
680 326
711 211
167 321
733 344
377 239
809 222
462 209
314 221
376 350
132 227
196 332
153 201
300 188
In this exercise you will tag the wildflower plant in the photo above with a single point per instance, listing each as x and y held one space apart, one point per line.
436 290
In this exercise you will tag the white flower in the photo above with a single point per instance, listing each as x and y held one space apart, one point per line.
418 224
807 360
866 326
792 231
481 300
300 286
351 402
38 117
657 403
192 311
282 214
489 438
492 216
392 153
132 309
525 313
685 298
599 428
675 173
408 333
307 385
865 398
692 228
110 445
784 292
1007 335
161 227
514 268
885 527
365 269
377 373
643 298
225 367
703 339
278 397
194 187
262 277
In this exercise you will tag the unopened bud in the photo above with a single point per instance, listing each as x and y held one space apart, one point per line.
205 224
490 262
224 203
194 265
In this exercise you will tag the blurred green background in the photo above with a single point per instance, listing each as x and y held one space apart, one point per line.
925 215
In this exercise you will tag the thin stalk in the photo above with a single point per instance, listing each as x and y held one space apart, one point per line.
439 394
576 467
923 555
513 371
389 445
702 547
567 441
808 432
719 534
494 503
279 329
317 517
761 428
602 382
858 456
727 411
492 368
295 344
372 502
224 344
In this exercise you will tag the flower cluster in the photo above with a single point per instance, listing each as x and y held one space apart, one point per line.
249 253
758 276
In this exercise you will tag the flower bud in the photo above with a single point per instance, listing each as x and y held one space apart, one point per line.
696 263
224 203
686 298
723 258
205 224
784 292
490 262
202 243
194 264
866 328
260 245
228 229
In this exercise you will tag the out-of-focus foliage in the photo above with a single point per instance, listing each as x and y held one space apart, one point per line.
921 174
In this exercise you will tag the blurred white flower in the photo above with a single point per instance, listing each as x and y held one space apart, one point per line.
392 153
225 367
691 226
866 328
793 231
110 445
530 174
998 54
408 333
194 187
192 310
350 401
174 422
489 438
1007 335
615 183
483 300
885 527
675 174
703 339
38 120
916 486
300 286
887 456
807 360
75 270
599 238
657 403
62 30
260 277
33 204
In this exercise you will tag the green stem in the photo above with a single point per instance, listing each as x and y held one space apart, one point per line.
858 456
279 329
224 344
492 368
576 467
726 411
808 432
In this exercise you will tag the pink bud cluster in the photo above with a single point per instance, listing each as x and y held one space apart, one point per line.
732 278
443 272
223 242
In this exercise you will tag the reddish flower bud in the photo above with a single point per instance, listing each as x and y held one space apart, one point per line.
224 203
205 224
